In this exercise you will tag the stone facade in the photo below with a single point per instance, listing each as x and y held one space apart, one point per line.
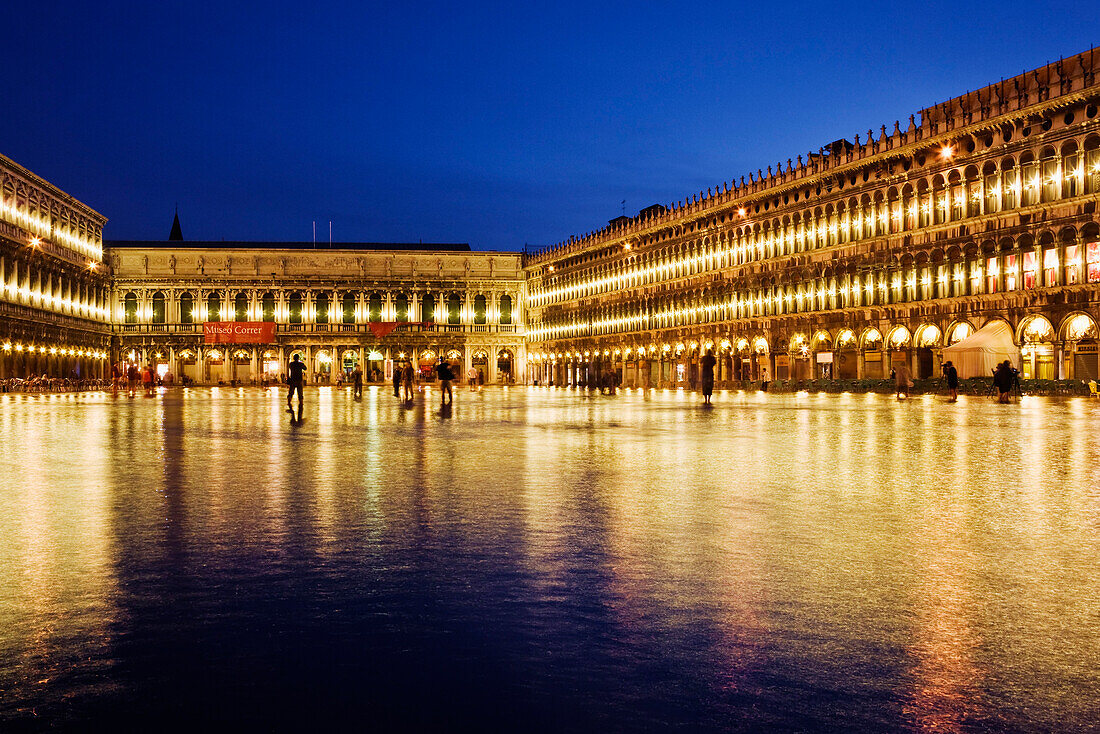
857 257
328 304
54 316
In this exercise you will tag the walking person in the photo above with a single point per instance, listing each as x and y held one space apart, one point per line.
707 364
952 376
357 382
407 381
132 377
1002 380
901 380
294 381
147 379
398 371
443 369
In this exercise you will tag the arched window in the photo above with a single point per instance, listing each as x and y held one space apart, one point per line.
159 309
213 307
454 309
240 307
129 308
321 308
187 308
479 309
401 307
267 304
348 307
427 308
505 309
374 307
295 308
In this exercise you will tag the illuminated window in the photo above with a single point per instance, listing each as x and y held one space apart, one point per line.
267 305
1072 264
991 273
454 309
1010 272
240 307
159 309
187 309
129 308
1092 261
1050 267
294 307
1030 267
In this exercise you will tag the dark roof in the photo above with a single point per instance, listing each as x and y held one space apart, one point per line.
213 245
176 235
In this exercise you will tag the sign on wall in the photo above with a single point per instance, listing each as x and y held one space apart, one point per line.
238 332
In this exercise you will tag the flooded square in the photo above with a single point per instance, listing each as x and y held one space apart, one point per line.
549 559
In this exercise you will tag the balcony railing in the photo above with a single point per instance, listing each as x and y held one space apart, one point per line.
402 328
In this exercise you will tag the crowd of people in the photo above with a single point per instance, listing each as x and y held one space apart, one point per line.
408 380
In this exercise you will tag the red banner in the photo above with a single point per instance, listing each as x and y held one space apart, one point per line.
382 328
238 332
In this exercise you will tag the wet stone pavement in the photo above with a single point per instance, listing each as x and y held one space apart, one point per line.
549 560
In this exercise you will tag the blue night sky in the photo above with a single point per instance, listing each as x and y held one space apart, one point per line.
493 124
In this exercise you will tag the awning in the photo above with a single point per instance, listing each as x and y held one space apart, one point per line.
979 354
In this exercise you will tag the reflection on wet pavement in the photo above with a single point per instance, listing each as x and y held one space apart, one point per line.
548 559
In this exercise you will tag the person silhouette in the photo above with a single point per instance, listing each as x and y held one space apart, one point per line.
294 381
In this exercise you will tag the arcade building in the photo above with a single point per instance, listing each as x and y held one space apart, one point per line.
365 304
973 227
54 286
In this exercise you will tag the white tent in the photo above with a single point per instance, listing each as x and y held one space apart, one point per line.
978 354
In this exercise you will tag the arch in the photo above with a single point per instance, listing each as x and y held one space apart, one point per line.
760 345
349 358
798 343
401 307
899 337
1079 325
374 307
928 335
320 308
1033 329
505 309
959 330
870 338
